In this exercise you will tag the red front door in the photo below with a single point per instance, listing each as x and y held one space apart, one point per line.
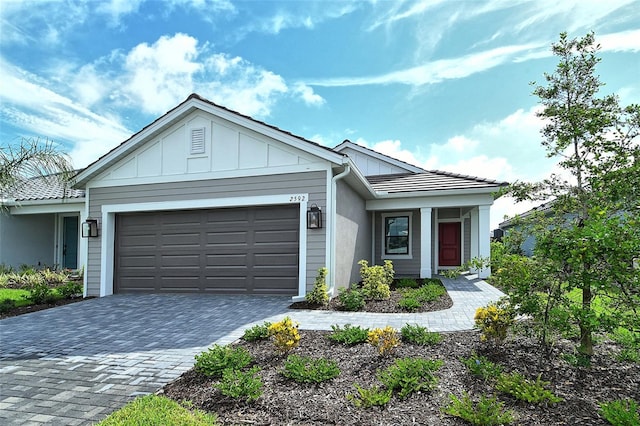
449 242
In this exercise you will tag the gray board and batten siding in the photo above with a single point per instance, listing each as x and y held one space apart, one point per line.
312 183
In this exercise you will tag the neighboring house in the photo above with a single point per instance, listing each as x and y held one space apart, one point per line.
207 200
42 227
513 224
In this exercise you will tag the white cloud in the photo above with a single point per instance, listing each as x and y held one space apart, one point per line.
56 117
625 41
115 9
307 94
159 75
436 71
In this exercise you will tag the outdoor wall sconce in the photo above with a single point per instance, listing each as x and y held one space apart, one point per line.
314 217
90 228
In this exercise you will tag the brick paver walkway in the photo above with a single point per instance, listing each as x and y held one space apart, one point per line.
77 363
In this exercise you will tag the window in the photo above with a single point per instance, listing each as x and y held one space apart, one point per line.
397 235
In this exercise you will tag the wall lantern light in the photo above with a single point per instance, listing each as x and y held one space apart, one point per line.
90 228
314 217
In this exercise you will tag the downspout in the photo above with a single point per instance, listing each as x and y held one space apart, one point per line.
334 221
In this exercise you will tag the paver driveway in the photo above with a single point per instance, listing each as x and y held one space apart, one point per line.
77 363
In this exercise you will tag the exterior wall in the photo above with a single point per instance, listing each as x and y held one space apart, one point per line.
402 267
313 183
27 239
353 233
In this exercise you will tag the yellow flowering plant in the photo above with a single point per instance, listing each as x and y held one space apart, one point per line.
494 320
285 335
384 339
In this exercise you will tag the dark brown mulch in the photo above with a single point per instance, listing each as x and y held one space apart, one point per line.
387 306
13 312
285 402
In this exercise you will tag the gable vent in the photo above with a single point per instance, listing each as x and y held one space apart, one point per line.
197 141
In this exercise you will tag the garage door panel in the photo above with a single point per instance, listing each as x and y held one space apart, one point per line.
230 251
183 261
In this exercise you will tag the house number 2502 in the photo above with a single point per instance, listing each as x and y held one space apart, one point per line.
297 198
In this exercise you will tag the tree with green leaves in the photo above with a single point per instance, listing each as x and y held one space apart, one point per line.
589 237
32 158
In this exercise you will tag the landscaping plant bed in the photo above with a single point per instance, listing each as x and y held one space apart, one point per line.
286 402
387 306
19 310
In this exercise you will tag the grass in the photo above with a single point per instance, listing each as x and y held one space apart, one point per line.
153 410
19 296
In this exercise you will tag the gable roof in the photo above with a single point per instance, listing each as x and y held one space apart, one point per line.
383 157
196 102
430 181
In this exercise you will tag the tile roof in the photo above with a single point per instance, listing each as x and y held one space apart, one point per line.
44 188
433 180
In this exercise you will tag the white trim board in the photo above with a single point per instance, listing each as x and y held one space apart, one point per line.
108 227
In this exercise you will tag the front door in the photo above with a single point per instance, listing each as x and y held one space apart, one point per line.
449 243
70 242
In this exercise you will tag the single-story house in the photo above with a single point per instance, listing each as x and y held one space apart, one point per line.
207 200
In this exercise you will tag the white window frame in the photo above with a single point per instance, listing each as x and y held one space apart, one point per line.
383 250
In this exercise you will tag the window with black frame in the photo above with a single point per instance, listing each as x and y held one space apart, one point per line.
396 231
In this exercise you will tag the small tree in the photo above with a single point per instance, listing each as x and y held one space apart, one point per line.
31 158
589 237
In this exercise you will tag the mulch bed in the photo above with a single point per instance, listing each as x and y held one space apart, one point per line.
33 308
285 402
382 306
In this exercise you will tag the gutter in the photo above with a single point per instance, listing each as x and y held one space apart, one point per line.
332 242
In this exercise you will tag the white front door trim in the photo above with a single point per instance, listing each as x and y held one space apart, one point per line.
109 212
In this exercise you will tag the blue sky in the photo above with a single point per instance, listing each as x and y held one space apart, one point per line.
440 84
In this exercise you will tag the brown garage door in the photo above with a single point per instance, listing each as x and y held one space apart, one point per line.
227 251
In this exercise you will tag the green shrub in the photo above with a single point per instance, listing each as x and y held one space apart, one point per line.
6 305
486 412
420 335
408 375
480 366
366 398
376 280
429 292
413 298
349 335
319 295
54 277
39 291
621 412
407 283
516 385
241 384
305 369
257 332
410 304
351 299
70 289
494 320
219 358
